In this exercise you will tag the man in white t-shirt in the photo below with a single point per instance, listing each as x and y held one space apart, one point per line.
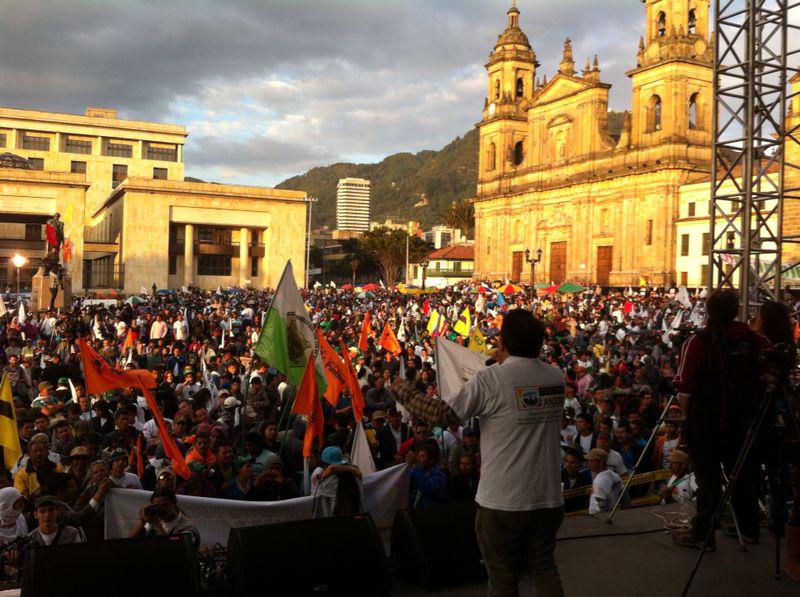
179 329
614 462
121 478
519 403
606 487
681 487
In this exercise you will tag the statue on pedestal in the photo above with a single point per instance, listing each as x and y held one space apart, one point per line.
54 234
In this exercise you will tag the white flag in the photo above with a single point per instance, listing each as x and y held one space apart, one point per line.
361 455
401 331
22 317
455 365
683 297
72 391
142 290
212 387
3 309
184 290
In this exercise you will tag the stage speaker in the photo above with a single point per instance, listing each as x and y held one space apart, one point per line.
437 545
119 567
342 555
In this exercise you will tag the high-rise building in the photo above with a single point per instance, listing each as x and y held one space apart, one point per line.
352 204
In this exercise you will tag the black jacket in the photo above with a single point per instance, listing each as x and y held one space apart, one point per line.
386 445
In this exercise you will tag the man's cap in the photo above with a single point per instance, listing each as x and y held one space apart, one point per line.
274 459
256 379
242 460
57 421
45 385
378 414
597 454
79 452
678 456
117 454
63 381
46 499
231 402
332 455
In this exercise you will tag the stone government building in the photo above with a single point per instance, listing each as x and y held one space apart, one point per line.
131 216
606 209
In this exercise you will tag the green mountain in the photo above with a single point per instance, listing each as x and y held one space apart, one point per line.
399 182
404 179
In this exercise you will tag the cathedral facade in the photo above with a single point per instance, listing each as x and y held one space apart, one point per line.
603 208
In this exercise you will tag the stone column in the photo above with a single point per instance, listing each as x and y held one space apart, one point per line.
188 254
244 256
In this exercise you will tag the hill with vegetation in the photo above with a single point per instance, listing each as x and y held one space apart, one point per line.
429 180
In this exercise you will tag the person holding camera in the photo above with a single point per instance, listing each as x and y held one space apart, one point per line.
163 517
720 388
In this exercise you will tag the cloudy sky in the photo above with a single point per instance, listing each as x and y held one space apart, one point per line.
271 88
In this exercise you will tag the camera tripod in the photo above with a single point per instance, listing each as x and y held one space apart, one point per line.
775 470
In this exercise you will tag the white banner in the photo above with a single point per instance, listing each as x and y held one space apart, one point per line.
385 492
455 365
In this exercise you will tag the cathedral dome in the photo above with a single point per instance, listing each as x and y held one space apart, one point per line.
513 35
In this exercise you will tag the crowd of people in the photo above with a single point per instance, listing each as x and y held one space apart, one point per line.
228 411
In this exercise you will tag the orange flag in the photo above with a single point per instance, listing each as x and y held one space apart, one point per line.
101 377
307 403
389 341
352 383
128 341
365 327
335 371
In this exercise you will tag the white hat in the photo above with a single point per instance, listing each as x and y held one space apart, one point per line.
231 401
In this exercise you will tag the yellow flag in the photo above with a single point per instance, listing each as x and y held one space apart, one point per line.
642 282
464 324
435 323
9 438
477 342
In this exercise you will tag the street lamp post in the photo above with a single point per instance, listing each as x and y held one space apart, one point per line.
18 261
354 265
533 262
424 263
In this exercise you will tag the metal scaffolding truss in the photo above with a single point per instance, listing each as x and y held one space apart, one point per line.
757 49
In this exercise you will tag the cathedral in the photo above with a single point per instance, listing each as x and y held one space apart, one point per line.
607 208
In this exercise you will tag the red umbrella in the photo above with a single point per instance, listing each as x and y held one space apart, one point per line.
552 288
483 289
370 286
346 286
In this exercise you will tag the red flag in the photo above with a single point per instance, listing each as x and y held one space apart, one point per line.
365 327
66 251
307 403
101 377
389 341
335 372
51 236
426 306
352 383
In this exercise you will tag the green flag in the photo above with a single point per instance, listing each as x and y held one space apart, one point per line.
287 337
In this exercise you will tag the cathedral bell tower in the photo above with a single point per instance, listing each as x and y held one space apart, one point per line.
503 130
673 79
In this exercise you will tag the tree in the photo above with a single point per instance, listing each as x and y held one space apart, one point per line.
461 214
388 249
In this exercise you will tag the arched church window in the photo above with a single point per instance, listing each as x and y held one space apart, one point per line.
693 110
497 89
661 24
520 87
491 157
692 26
655 113
519 153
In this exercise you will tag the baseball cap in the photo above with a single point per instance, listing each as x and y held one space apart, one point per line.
231 401
332 455
46 499
117 454
45 385
597 454
196 466
678 456
378 414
